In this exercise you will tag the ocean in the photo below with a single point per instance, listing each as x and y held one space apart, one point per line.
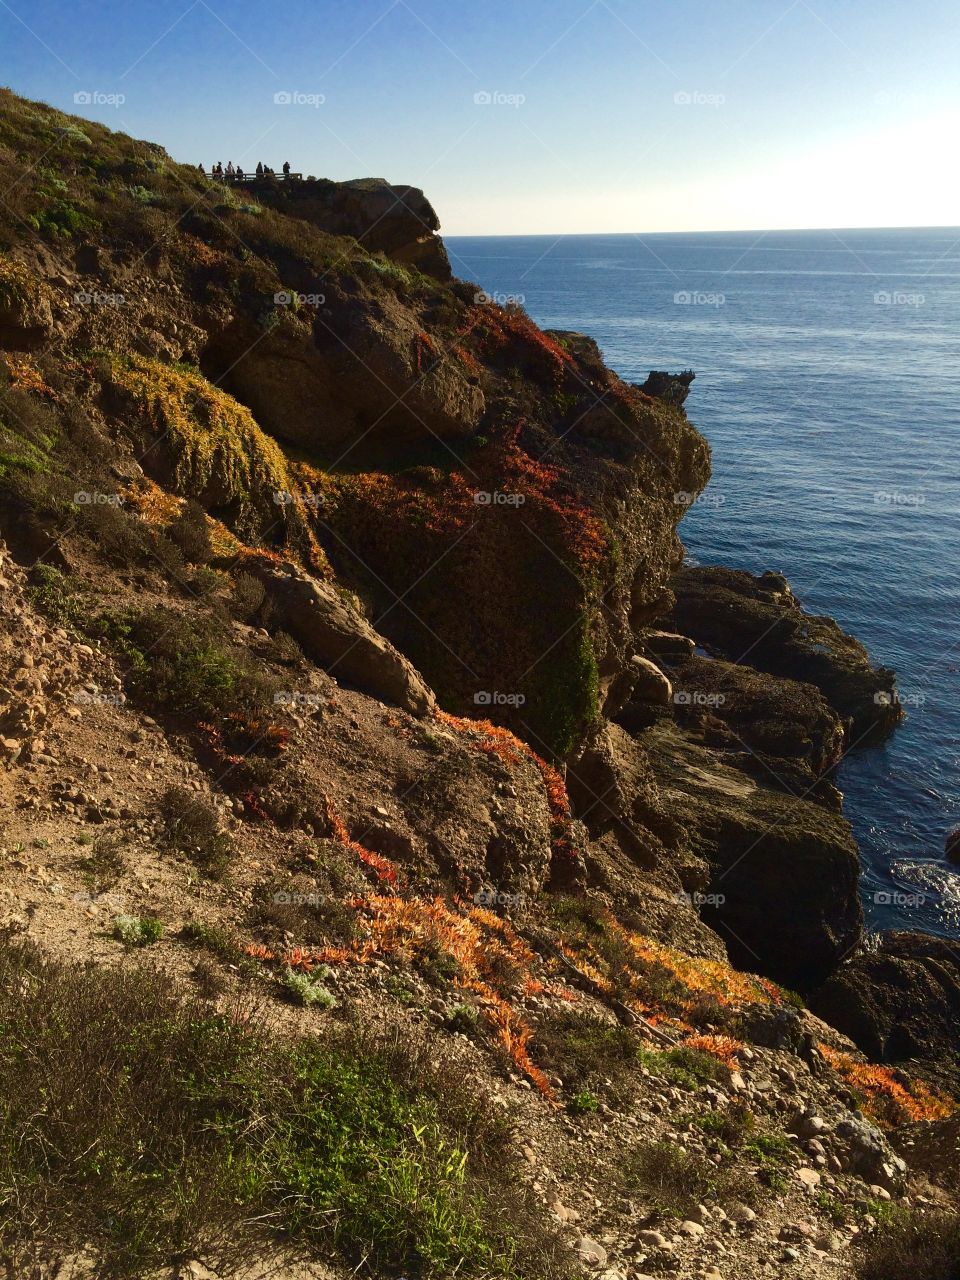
828 385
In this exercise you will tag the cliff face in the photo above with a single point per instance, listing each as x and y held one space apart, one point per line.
386 580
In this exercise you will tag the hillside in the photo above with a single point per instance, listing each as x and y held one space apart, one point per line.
409 864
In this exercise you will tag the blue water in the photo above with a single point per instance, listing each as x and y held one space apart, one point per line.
828 385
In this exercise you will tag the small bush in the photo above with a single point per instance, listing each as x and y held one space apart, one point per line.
193 827
137 931
307 988
676 1181
689 1068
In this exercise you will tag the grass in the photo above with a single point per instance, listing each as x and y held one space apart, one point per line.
193 827
138 1126
676 1181
688 1068
914 1246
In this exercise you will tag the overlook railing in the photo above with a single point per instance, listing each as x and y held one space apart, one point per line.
251 176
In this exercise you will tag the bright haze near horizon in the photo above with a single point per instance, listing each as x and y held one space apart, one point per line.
535 116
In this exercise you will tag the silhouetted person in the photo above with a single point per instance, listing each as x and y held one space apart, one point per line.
230 169
239 174
286 168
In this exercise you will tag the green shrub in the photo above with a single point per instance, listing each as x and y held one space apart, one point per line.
308 988
689 1068
137 931
138 1128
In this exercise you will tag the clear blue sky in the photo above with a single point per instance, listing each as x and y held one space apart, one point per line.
603 115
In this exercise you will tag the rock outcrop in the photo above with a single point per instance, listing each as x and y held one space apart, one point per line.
900 1002
758 620
397 221
333 632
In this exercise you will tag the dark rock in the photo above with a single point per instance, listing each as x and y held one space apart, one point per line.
757 620
900 1002
672 387
785 871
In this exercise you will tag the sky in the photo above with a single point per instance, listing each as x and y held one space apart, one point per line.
535 116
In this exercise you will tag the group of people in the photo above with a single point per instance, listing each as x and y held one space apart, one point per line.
233 173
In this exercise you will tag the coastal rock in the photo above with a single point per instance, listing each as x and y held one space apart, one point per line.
672 387
784 889
398 221
757 619
900 1002
651 684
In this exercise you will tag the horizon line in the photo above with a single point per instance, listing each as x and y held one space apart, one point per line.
708 231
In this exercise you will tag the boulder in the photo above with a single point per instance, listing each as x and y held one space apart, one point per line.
398 221
651 684
671 387
785 872
333 632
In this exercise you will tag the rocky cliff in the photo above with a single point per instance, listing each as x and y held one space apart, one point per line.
351 670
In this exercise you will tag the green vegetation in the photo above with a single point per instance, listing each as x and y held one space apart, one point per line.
185 663
914 1246
676 1181
689 1068
139 1127
307 988
137 931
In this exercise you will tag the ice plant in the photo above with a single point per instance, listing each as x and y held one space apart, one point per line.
890 1097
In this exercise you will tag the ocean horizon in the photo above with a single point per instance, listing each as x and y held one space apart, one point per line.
827 385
